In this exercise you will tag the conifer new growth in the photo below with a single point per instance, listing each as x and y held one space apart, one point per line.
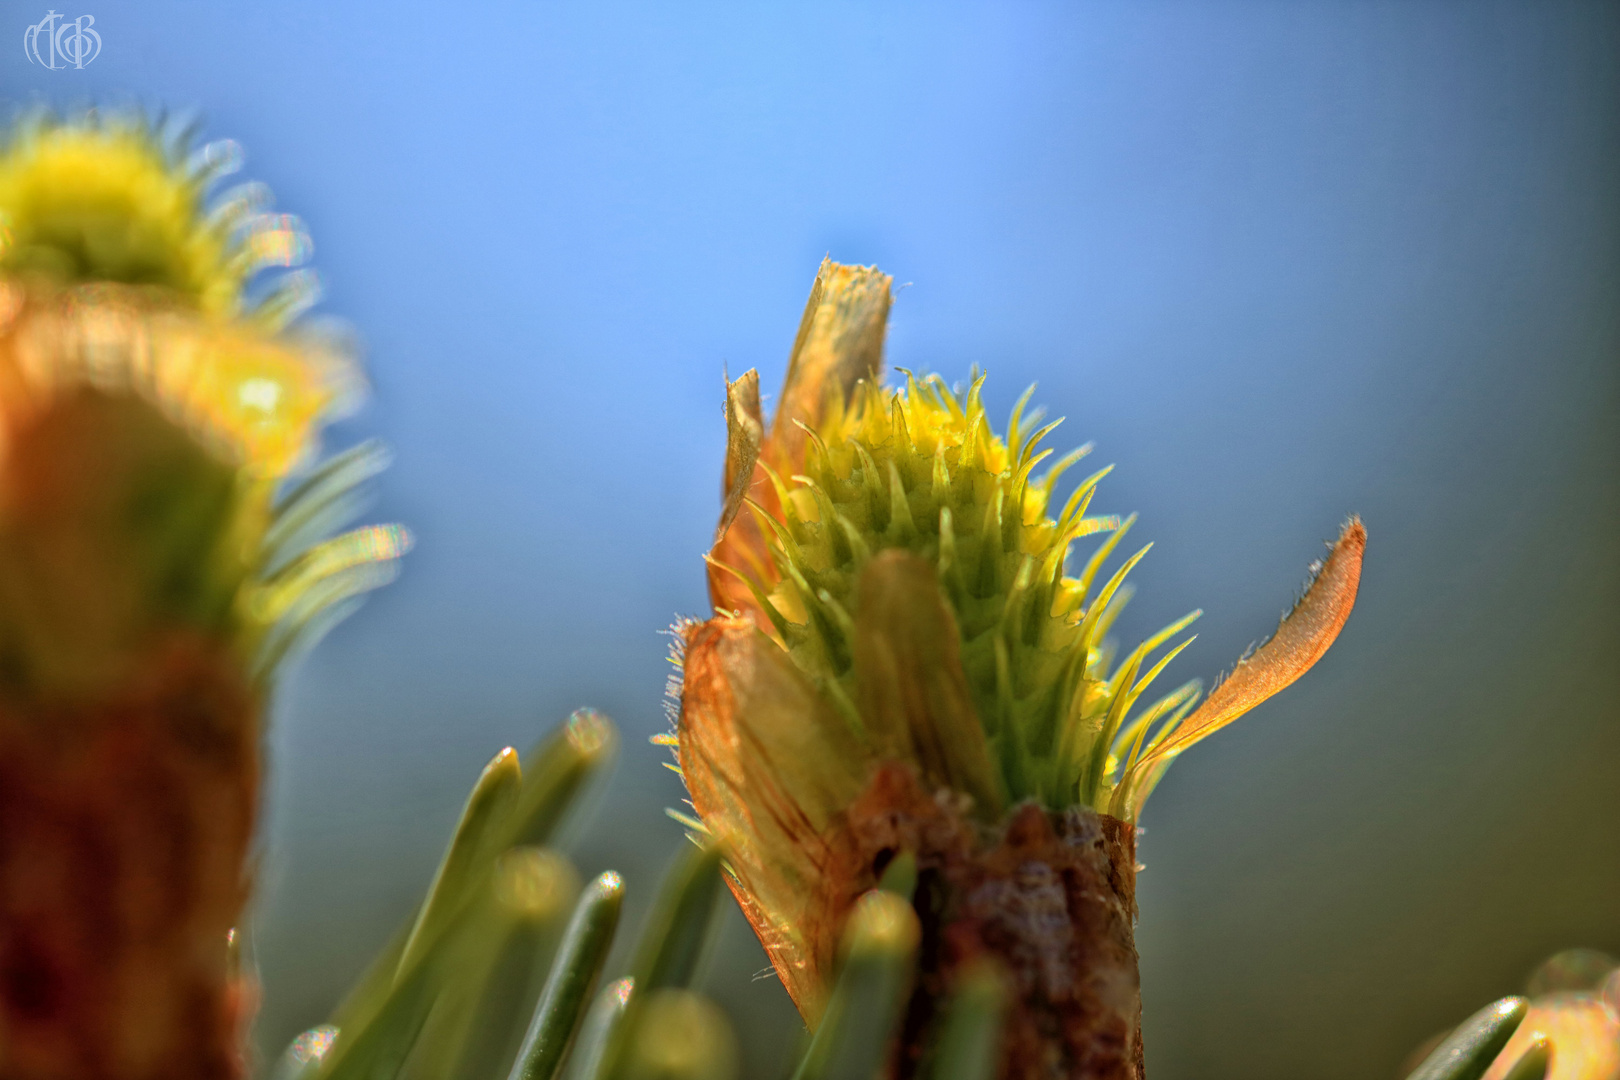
163 545
902 660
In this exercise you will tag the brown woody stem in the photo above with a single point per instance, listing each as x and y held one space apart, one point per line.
124 826
1050 895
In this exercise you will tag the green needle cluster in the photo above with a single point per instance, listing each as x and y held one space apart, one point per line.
499 976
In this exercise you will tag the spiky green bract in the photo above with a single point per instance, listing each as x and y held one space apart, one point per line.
921 469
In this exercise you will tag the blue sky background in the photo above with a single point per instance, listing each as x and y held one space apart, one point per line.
1281 262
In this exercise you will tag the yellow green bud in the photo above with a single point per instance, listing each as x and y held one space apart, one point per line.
893 589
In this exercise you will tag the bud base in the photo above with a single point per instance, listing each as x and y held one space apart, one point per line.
124 827
1050 895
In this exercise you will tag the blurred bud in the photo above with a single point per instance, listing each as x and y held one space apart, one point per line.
162 549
